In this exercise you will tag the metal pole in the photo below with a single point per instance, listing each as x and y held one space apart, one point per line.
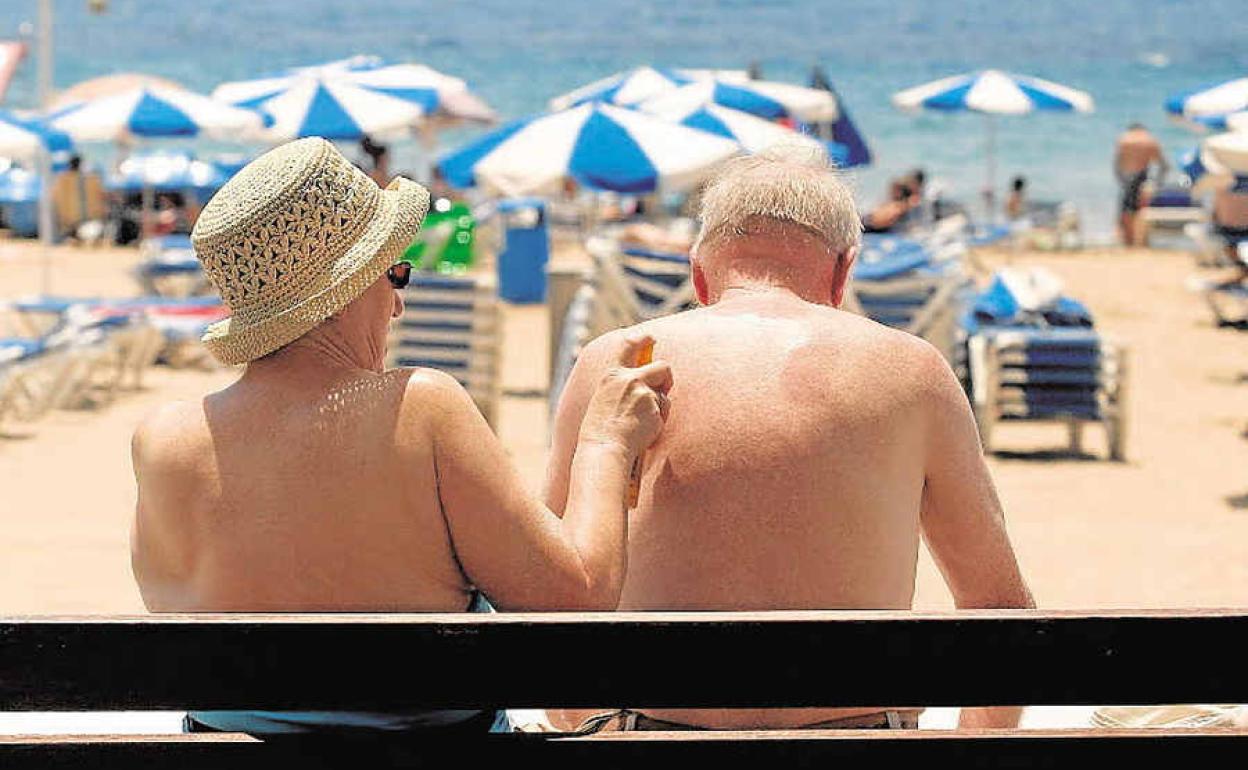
44 62
990 190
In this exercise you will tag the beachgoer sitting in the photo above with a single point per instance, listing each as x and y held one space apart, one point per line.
887 216
319 482
1136 153
807 449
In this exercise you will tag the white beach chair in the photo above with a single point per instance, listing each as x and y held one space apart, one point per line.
639 284
453 324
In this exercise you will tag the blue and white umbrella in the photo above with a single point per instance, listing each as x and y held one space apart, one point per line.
753 134
764 99
600 146
24 139
336 109
993 92
430 90
142 113
624 88
1210 105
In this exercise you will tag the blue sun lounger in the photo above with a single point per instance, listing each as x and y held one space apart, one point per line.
898 282
453 324
1045 365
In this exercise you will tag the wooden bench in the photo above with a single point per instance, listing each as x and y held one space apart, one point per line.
709 659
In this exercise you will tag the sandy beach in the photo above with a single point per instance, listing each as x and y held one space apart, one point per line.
1167 528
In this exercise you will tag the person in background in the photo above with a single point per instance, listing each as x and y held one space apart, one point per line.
888 215
1016 203
379 158
78 199
1136 155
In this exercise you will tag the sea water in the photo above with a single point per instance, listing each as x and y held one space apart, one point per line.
1129 54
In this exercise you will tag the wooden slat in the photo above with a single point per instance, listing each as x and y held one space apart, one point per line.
1059 749
373 662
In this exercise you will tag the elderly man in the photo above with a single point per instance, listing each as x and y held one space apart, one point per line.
319 482
806 449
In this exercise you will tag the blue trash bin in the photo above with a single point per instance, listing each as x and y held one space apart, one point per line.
526 250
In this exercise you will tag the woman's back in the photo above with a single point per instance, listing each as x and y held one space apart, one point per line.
313 493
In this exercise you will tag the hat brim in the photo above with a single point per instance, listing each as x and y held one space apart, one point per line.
400 212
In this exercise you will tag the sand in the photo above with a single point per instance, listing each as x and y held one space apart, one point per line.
1168 528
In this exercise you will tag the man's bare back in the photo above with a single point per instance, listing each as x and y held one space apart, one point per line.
807 449
1137 151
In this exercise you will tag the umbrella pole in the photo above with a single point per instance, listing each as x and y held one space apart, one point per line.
990 188
46 224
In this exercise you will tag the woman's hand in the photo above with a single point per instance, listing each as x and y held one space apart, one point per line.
629 405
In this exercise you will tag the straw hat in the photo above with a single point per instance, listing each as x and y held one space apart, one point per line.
293 238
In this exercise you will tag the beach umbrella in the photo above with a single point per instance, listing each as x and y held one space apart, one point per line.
150 112
624 88
761 98
843 130
752 133
336 109
108 85
1226 153
1209 106
601 146
992 93
448 95
433 91
27 139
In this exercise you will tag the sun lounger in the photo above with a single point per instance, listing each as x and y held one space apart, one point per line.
453 324
639 284
1039 359
170 269
576 330
901 283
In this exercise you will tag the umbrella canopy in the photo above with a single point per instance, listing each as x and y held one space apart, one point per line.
626 88
24 140
167 172
449 95
761 98
1210 105
600 146
842 131
155 112
753 134
426 87
336 109
108 85
993 92
1226 153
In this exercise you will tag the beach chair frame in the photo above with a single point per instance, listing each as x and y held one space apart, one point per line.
453 324
996 392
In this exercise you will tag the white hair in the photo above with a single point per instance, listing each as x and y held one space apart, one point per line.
787 184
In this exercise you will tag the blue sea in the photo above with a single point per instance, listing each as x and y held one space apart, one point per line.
1130 54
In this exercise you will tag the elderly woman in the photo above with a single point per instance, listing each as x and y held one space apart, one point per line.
319 482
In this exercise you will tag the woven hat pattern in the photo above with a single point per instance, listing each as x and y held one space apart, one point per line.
293 238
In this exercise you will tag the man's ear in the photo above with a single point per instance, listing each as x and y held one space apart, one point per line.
840 274
699 281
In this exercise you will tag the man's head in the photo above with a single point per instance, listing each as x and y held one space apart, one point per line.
781 217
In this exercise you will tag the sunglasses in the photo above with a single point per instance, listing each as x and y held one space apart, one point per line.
400 274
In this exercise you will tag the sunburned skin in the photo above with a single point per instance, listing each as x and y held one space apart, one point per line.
806 451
